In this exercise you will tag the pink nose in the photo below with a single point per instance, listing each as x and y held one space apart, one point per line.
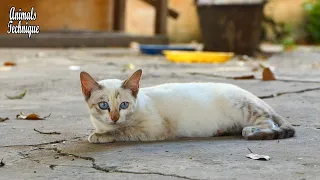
114 119
114 116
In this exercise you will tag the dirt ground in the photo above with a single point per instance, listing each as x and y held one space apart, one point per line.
54 88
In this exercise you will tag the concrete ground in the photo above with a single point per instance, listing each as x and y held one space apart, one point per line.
54 88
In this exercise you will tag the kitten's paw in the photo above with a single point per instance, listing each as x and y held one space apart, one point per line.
250 132
257 133
96 138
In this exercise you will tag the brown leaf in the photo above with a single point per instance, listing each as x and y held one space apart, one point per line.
3 119
244 77
316 64
268 74
9 63
32 116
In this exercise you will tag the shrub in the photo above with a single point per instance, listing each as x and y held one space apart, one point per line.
312 9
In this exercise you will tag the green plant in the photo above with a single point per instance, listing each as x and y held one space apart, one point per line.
312 9
287 40
283 32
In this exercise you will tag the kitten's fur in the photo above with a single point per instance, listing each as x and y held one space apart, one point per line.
176 110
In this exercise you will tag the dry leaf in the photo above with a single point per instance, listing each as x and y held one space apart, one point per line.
3 119
268 74
316 64
74 68
263 65
244 58
134 45
5 68
244 77
258 157
19 96
32 116
40 54
255 66
2 163
240 63
9 63
128 67
262 57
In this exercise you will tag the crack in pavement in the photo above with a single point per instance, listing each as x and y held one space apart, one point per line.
41 144
113 169
289 92
94 165
154 173
51 166
230 77
272 95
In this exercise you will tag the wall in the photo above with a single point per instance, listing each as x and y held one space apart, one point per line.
186 28
62 14
140 20
287 11
97 15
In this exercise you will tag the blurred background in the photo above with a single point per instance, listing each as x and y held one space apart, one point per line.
286 22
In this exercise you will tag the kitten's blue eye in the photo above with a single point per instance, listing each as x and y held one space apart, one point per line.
124 105
103 105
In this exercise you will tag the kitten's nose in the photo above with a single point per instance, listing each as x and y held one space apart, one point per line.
114 116
114 119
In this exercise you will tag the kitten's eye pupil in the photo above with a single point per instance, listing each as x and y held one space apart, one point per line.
124 105
103 105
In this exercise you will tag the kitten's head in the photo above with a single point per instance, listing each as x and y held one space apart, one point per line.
111 101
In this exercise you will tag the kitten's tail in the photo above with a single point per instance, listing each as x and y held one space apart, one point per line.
287 129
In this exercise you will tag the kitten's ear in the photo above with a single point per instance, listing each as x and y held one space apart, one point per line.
132 82
88 84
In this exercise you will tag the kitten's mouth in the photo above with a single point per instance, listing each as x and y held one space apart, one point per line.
113 123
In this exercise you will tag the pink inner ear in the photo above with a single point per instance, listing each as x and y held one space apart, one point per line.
133 86
88 84
133 82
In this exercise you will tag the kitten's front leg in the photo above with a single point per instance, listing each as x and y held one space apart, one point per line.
97 138
126 134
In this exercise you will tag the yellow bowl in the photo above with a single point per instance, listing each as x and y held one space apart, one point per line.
197 56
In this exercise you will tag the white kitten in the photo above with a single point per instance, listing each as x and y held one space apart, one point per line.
121 111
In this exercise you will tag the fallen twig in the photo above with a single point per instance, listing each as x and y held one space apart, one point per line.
54 132
3 119
244 77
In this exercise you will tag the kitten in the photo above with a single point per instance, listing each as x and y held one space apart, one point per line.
121 111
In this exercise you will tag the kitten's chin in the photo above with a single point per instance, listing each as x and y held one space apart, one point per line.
111 123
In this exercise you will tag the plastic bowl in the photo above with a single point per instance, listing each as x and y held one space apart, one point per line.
198 57
158 49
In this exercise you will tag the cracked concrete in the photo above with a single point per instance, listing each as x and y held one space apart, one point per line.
55 89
